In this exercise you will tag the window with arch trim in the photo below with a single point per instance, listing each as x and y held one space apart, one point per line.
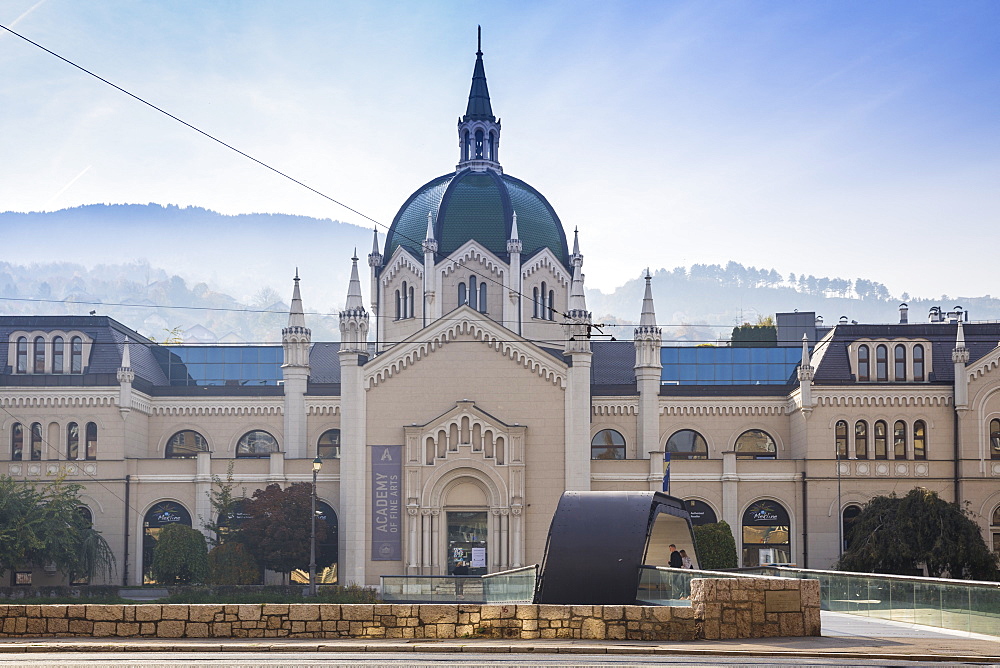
39 355
919 440
399 303
687 444
87 519
257 443
328 445
58 354
995 529
17 442
72 441
552 305
861 439
864 364
412 303
482 296
91 440
76 355
994 438
849 517
756 444
881 440
899 440
918 362
405 313
535 304
185 444
22 355
607 444
473 293
899 357
36 441
881 363
840 435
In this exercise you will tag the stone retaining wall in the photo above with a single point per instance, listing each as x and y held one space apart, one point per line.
722 608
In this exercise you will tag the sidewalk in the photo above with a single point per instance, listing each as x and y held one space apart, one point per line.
845 637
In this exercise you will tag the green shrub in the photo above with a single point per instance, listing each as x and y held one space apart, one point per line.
180 556
231 564
715 546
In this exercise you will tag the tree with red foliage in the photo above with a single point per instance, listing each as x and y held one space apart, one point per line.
277 528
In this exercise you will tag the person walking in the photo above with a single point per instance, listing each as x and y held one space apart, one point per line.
675 557
685 560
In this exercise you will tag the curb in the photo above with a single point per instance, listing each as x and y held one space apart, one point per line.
485 648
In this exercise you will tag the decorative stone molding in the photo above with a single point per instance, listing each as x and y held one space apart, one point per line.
985 364
546 260
400 260
883 398
79 399
603 408
471 252
322 410
486 331
669 407
201 409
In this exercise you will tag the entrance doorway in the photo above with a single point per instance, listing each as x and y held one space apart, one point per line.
467 541
766 534
160 515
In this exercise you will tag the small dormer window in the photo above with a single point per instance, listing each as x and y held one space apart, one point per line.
918 363
881 363
864 364
58 354
899 357
39 356
76 355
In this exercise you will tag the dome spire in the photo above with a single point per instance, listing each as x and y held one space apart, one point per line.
479 129
354 301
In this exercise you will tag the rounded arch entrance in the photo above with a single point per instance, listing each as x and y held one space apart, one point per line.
766 534
159 515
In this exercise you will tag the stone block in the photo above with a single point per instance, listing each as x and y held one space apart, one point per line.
633 612
170 629
32 611
274 609
394 632
615 631
357 612
566 634
147 628
791 624
53 611
105 629
383 609
303 612
174 612
298 627
105 613
551 612
404 610
408 632
439 614
255 633
662 614
81 627
489 612
35 626
611 612
728 615
446 630
582 610
682 612
743 624
547 633
73 611
203 613
127 630
57 625
222 629
329 612
810 593
529 635
356 629
248 612
508 611
272 622
593 629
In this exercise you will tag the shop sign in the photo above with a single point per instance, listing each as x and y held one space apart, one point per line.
386 506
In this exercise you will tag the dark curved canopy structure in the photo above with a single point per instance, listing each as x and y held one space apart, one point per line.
598 541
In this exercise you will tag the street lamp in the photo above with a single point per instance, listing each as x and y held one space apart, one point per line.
317 465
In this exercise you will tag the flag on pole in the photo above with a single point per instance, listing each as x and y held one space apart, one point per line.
666 473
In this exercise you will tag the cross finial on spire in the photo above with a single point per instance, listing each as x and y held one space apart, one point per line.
479 41
296 273
355 256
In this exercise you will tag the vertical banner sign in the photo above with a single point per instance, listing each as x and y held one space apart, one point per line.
387 482
666 473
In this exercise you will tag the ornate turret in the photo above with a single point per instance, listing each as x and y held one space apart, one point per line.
296 338
648 368
354 318
578 319
430 246
960 357
805 372
479 129
374 261
512 279
126 375
648 336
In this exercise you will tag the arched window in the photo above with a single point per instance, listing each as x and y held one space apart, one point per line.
160 515
841 436
412 302
256 444
328 446
849 516
482 297
766 534
861 439
399 302
467 146
899 440
72 441
900 362
39 356
22 355
994 439
17 442
57 354
87 520
607 444
544 311
91 440
552 305
534 303
864 364
881 363
473 293
919 440
479 144
687 444
995 529
36 441
185 445
76 355
493 146
463 294
918 363
406 307
880 440
756 444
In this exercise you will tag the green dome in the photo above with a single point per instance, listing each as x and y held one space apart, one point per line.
478 205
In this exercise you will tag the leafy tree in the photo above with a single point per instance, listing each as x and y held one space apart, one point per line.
716 546
224 507
899 535
277 528
41 524
231 563
180 556
762 335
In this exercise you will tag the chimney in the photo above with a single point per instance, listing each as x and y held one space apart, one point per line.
904 311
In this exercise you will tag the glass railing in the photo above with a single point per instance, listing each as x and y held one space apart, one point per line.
513 586
659 585
959 605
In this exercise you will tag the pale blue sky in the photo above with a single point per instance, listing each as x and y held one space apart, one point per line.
839 138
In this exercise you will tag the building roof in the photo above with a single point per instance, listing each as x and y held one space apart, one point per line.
478 205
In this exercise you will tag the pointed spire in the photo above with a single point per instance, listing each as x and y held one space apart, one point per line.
577 298
430 226
296 316
648 317
805 349
126 355
125 376
960 337
576 241
354 301
374 242
513 229
479 96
